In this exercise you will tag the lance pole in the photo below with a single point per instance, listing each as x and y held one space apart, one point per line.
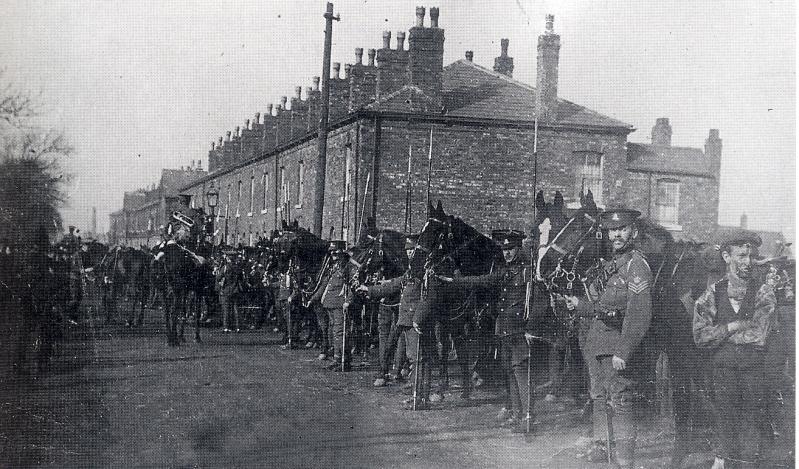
409 183
363 207
429 164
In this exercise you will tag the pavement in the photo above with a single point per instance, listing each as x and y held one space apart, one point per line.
118 397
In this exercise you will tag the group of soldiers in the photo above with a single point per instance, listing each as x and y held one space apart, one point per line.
732 320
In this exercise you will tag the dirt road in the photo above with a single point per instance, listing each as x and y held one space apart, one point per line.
122 398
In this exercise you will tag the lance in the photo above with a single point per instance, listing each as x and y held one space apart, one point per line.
429 164
363 207
408 192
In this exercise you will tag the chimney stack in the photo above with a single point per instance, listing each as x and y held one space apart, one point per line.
386 39
470 55
713 151
426 57
546 98
504 64
392 67
661 132
400 40
744 221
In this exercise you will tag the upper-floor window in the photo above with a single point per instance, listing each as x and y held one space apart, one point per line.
238 200
227 206
589 175
668 202
300 183
265 184
252 194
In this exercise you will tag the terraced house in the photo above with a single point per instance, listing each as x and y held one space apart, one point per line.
484 141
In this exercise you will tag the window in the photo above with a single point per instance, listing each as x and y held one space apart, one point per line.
252 194
283 188
589 176
238 201
265 184
300 183
668 202
227 207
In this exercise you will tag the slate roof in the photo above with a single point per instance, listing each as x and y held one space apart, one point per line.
657 158
172 180
471 90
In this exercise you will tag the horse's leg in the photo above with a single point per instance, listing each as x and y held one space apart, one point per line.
463 350
443 346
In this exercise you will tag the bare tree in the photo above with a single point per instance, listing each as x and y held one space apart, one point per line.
32 181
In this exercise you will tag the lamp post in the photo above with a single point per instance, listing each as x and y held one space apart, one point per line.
212 198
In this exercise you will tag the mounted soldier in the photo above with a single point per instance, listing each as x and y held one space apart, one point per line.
620 314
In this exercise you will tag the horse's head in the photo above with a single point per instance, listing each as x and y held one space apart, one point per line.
380 255
567 248
450 243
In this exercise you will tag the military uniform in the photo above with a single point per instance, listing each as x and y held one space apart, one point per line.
619 320
332 294
231 286
413 308
737 356
509 281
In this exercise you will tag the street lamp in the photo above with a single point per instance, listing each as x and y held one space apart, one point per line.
212 198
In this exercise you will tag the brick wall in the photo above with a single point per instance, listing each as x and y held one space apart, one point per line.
485 175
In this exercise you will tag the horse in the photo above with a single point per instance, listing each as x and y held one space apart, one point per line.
452 245
182 275
378 256
300 255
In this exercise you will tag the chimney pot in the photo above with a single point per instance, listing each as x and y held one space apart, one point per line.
386 39
503 43
434 17
238 131
550 25
247 124
269 108
220 143
298 91
257 118
469 55
359 55
316 83
308 91
213 146
371 53
199 165
336 69
400 40
420 17
228 135
283 100
714 134
347 70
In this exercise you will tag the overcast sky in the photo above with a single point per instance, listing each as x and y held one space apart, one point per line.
142 85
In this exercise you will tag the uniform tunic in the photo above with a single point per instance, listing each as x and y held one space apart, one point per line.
619 320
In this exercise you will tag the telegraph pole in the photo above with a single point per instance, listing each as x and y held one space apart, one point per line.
321 161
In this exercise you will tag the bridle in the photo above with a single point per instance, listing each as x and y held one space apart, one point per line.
565 269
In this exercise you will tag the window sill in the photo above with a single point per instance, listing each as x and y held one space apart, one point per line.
298 206
263 211
671 227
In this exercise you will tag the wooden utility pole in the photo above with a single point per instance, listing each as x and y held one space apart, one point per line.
321 161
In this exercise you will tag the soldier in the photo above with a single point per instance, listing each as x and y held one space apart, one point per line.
391 340
332 294
413 308
230 280
514 327
733 319
620 318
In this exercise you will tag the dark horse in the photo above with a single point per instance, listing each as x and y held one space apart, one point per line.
452 245
299 254
182 273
